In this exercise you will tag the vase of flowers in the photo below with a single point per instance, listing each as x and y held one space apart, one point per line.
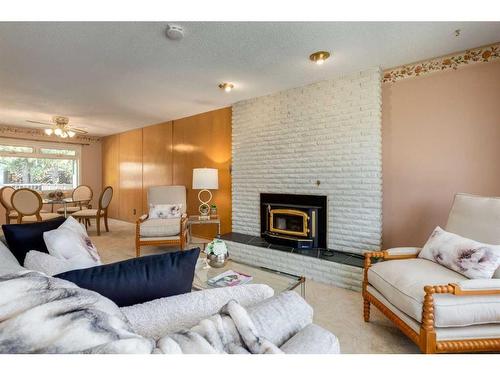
56 194
217 253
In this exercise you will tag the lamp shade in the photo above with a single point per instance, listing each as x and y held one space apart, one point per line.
205 178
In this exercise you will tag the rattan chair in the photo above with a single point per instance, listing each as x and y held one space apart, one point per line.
100 212
28 205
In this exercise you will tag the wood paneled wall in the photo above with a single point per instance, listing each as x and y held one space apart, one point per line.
156 158
111 171
165 154
130 196
204 141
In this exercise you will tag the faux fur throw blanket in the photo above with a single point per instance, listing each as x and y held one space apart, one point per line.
41 314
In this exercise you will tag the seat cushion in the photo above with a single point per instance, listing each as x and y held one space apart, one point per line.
68 209
44 215
90 212
402 283
141 279
161 227
22 238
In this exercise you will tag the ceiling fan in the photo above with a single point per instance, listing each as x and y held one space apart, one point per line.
60 127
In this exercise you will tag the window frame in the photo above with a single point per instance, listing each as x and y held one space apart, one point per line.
38 145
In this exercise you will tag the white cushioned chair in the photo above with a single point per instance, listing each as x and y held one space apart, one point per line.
157 232
28 204
440 310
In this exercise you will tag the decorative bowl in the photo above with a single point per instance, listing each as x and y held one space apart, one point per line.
217 261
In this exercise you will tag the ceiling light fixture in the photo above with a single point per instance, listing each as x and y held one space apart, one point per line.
60 127
227 87
319 57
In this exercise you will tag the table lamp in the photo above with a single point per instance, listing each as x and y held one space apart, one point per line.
205 179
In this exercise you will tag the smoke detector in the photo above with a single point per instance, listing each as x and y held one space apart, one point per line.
174 32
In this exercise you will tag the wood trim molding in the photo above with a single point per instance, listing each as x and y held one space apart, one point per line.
453 61
8 131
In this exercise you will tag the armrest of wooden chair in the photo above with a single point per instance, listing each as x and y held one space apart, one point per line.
138 223
183 230
390 254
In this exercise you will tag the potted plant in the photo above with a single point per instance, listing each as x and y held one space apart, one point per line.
217 253
213 210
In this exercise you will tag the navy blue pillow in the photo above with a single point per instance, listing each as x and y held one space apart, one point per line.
141 279
22 238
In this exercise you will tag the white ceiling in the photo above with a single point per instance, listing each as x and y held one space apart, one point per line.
111 76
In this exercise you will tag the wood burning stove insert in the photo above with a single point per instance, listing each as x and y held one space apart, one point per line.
294 220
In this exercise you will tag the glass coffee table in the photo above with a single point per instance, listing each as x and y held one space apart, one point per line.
279 281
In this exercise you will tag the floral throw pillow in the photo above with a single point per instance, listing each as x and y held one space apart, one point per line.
472 259
165 211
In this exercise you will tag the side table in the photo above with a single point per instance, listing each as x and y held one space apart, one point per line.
195 220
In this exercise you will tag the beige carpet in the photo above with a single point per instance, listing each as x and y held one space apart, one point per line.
336 309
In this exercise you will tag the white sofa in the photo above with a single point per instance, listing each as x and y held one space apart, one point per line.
439 309
156 318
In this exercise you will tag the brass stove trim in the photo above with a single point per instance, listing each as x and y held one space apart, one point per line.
273 211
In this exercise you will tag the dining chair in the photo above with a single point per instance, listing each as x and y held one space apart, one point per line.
100 212
81 196
5 199
28 205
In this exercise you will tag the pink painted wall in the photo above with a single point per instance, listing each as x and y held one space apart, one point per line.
92 169
440 135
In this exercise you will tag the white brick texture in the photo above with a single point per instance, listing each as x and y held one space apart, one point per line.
341 275
328 132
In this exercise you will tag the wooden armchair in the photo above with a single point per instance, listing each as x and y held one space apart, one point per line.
438 309
168 231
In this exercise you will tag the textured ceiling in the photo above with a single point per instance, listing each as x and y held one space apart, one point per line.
112 76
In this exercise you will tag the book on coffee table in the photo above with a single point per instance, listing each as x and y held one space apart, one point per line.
229 278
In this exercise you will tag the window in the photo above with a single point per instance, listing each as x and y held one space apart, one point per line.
15 149
39 166
55 151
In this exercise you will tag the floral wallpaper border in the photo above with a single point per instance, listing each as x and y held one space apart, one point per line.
472 56
38 134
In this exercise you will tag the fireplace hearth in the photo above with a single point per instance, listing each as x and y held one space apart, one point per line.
294 220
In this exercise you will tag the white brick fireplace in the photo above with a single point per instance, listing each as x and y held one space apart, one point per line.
321 139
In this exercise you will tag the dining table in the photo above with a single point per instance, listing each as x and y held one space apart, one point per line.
62 201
